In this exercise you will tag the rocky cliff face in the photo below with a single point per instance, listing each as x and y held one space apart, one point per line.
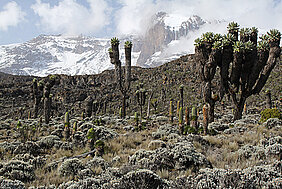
164 30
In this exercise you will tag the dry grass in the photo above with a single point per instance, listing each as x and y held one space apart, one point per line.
97 170
46 179
198 147
163 173
173 175
49 178
222 151
214 140
230 146
123 146
126 145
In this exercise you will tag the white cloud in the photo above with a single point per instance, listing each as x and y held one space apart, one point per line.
10 16
70 17
134 16
185 45
264 14
260 13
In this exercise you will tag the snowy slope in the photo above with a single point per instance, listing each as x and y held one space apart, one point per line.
168 39
72 55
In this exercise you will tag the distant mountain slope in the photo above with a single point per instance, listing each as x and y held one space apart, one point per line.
57 54
79 55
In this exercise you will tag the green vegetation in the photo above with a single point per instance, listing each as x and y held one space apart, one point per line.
263 45
233 26
239 46
274 35
198 42
249 46
128 44
245 31
270 113
114 41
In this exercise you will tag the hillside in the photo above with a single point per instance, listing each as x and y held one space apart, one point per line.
235 155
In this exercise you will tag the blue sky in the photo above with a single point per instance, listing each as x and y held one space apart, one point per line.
22 20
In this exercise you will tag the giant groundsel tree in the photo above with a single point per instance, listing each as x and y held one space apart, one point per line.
244 64
123 82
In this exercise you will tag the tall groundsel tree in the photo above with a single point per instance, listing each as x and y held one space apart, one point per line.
245 64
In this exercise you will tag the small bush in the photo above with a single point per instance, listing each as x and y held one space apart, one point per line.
270 113
70 167
191 130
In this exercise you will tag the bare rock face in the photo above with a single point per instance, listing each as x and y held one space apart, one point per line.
153 42
160 34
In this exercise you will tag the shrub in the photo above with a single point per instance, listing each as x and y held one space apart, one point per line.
91 134
190 130
70 167
270 113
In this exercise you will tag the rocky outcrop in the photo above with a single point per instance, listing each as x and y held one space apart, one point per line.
159 35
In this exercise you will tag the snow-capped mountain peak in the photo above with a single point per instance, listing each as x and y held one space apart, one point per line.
57 54
78 55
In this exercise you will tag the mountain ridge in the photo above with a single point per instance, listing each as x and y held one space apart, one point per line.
78 55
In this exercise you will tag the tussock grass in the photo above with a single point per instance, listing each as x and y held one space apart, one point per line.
223 149
126 145
44 179
173 175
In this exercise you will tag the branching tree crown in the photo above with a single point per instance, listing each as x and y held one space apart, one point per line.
245 64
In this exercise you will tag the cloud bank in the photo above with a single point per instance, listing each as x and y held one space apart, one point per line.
134 17
263 14
70 17
260 13
121 17
11 16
